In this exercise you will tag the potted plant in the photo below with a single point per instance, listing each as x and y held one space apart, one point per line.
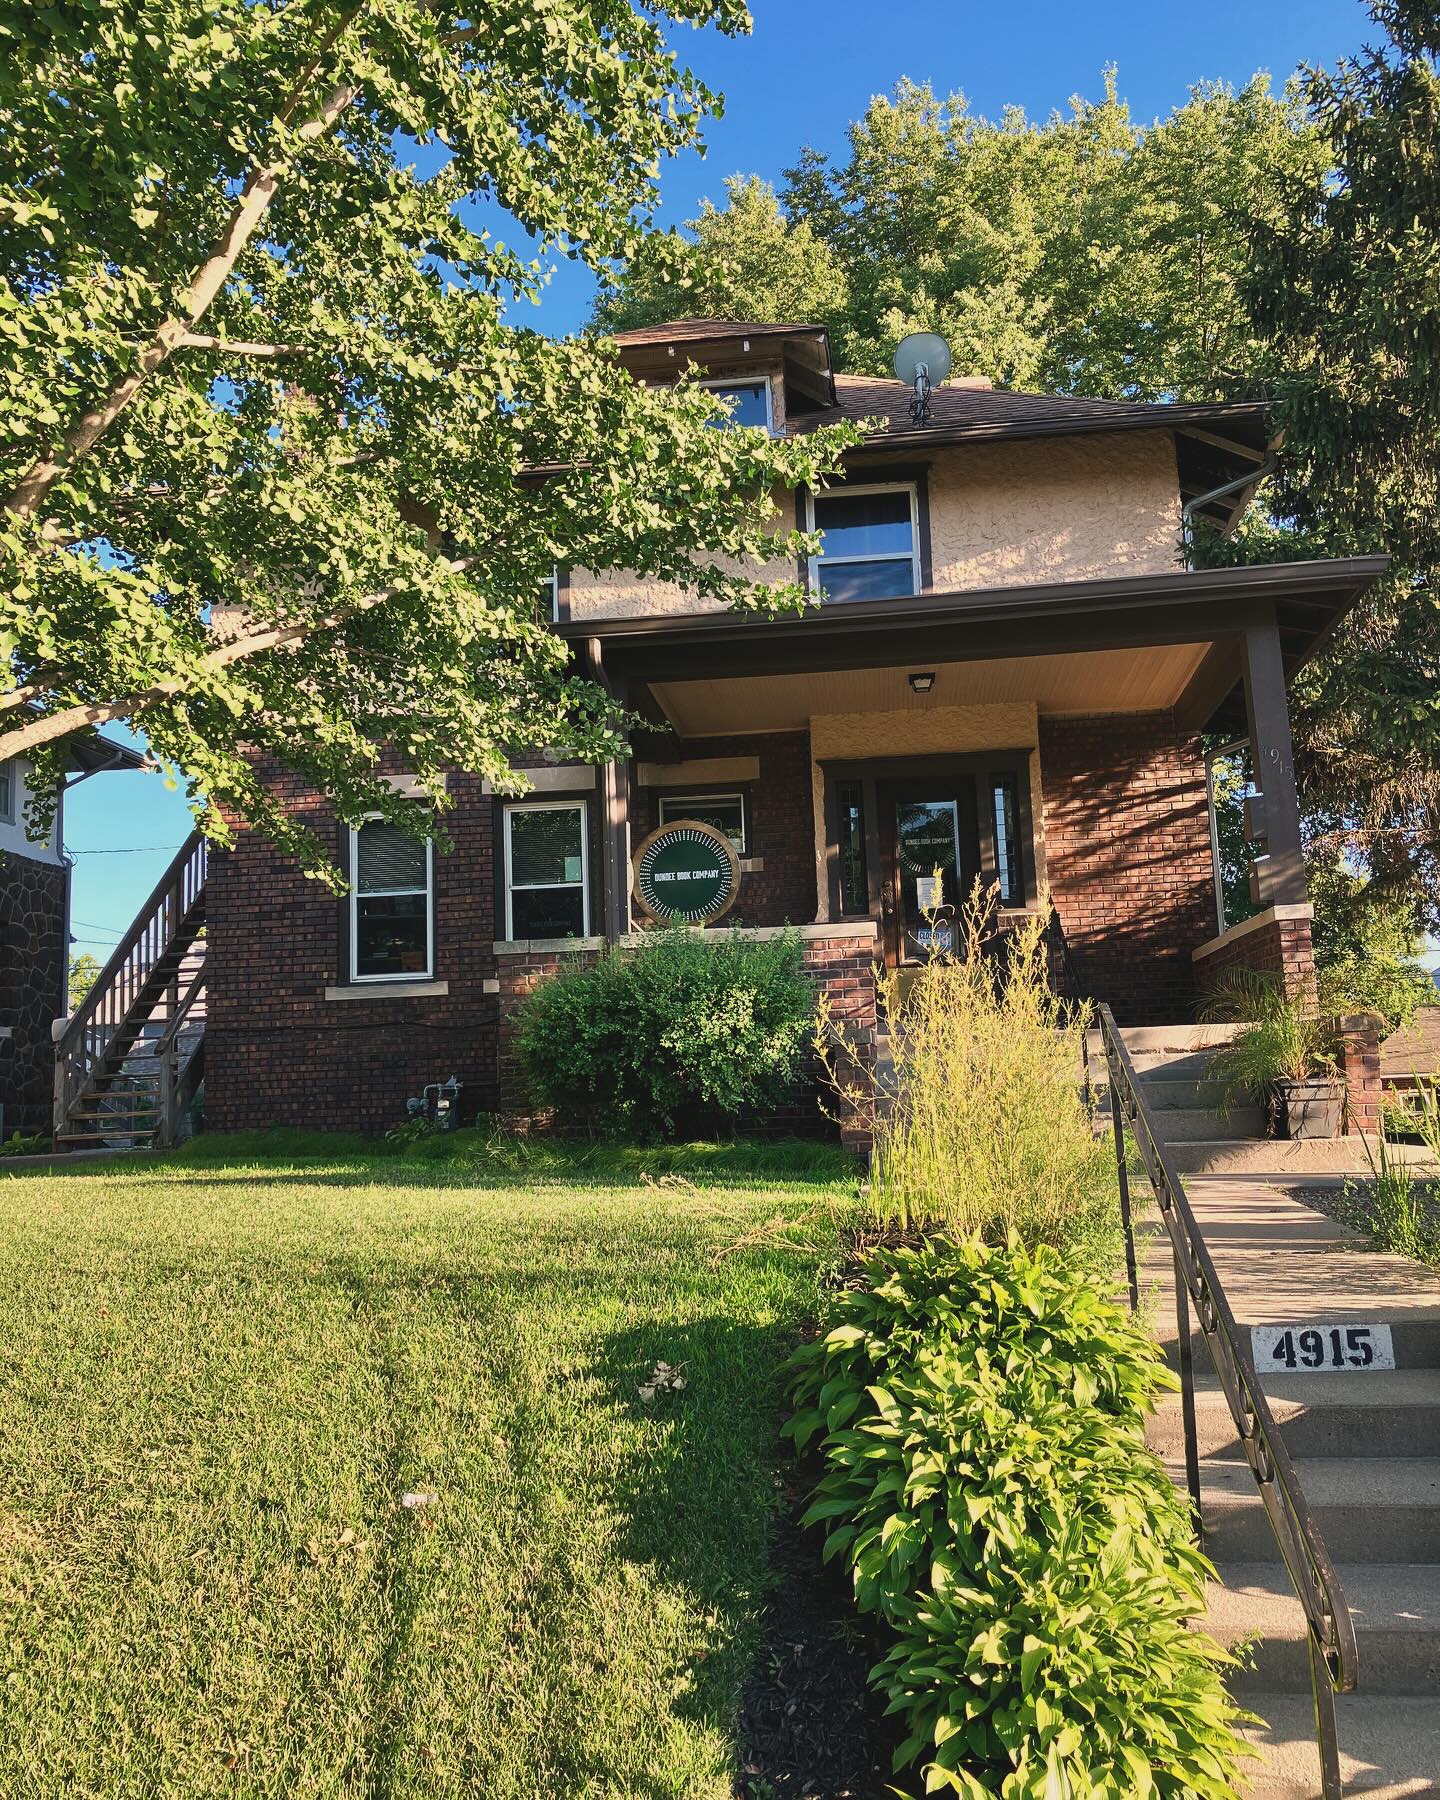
1285 1051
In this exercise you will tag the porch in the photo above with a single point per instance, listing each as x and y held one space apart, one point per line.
871 760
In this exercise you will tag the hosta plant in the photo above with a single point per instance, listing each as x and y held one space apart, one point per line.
979 1413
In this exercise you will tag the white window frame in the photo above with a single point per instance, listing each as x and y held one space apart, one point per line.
737 381
426 974
680 801
857 488
536 887
554 586
10 774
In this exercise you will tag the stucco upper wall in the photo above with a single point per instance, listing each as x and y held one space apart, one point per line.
1001 515
1054 509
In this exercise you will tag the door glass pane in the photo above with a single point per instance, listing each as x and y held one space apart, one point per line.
545 845
387 858
390 934
925 830
927 858
854 886
866 580
747 403
548 912
864 524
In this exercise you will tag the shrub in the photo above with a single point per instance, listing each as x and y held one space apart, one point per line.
981 1413
979 1124
688 1024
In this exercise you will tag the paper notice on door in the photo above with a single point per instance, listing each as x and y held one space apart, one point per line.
929 895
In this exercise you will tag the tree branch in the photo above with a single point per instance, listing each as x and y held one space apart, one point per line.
253 203
46 730
194 340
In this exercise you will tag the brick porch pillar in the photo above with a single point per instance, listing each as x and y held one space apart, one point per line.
1359 1035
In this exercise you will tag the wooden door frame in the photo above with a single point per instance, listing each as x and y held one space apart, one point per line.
870 772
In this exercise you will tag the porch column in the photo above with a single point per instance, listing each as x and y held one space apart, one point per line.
615 857
1278 874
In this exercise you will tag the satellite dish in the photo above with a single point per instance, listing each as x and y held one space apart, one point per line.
922 361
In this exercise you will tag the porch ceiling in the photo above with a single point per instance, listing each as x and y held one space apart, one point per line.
1136 616
1095 681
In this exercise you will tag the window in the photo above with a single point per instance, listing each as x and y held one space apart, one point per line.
550 595
7 792
854 886
547 870
749 402
726 812
392 877
871 535
1007 840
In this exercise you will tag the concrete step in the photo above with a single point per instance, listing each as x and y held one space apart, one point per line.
1369 1509
1416 1341
1282 1159
1388 1412
1389 1748
1396 1612
1188 1125
1163 1091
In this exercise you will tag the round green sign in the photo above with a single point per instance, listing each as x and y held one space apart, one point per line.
686 873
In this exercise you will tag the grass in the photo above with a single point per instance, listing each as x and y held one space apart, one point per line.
224 1370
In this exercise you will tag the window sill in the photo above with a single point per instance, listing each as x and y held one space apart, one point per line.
388 990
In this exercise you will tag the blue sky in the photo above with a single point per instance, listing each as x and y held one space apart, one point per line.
805 72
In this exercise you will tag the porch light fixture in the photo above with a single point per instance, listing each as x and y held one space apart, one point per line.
922 682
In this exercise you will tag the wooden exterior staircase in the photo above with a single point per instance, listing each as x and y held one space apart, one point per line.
130 1059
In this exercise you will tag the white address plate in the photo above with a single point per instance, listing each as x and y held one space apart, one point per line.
1320 1349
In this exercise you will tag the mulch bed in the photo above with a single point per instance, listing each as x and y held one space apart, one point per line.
1353 1203
810 1726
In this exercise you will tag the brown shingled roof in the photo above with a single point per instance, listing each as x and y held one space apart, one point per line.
690 331
1414 1049
963 410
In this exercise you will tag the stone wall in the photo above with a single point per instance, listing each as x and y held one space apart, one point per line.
32 987
1127 857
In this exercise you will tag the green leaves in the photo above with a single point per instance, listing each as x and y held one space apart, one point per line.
999 1512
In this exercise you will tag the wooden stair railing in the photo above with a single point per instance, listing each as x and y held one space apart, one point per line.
156 976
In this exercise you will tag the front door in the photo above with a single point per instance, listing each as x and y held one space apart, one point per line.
930 858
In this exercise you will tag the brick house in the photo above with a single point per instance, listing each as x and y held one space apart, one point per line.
1007 675
35 935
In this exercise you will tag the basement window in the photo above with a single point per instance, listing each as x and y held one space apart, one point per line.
391 904
870 548
547 870
723 812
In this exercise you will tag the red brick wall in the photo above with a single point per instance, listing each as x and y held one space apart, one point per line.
1127 852
32 987
1359 1035
782 823
1279 947
279 1053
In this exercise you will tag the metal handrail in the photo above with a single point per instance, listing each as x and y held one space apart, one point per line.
1334 1660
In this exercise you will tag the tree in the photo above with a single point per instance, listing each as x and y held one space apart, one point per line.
80 977
1340 291
1366 946
280 483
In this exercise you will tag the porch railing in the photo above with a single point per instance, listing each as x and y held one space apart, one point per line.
1334 1661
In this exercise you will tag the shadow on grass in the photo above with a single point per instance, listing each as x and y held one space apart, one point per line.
714 1504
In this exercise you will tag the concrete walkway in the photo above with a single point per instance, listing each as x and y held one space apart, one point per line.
1366 1447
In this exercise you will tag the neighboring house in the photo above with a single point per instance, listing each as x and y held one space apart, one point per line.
1412 1054
35 937
1006 674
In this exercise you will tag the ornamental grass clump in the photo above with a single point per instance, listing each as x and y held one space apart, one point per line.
688 1026
980 1124
979 1413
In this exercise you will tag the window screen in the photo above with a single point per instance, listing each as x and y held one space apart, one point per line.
390 903
546 871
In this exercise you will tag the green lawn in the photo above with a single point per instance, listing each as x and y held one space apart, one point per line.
222 1372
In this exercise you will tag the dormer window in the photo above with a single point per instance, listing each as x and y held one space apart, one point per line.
748 401
870 541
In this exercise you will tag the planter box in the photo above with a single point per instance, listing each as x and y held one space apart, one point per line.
1311 1109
